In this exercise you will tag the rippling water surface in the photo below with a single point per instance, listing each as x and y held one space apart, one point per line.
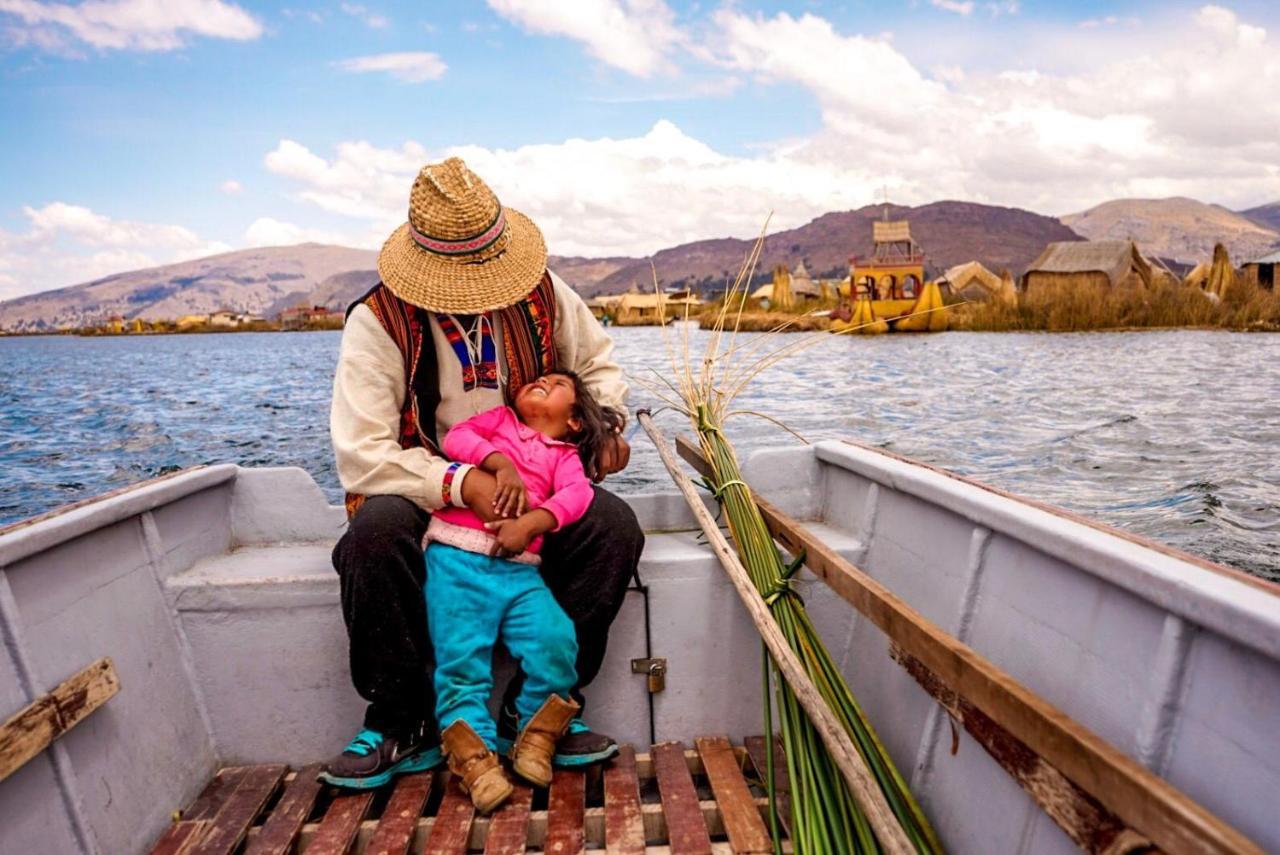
1174 435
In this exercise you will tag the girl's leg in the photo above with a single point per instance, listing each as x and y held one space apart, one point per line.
542 639
465 602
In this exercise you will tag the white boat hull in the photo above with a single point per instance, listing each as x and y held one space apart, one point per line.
212 593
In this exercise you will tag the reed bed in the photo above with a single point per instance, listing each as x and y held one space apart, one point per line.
769 321
826 817
1245 306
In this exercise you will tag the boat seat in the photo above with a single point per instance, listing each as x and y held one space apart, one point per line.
280 575
256 577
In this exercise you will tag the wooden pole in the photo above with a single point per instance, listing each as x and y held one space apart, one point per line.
1140 798
863 785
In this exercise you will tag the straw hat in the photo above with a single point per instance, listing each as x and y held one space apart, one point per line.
461 250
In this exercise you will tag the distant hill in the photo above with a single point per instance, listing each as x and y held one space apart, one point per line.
250 280
1178 228
950 233
585 273
266 281
1267 216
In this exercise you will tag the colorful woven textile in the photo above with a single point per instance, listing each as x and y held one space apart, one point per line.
528 330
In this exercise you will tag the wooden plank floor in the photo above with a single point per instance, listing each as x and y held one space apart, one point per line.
673 799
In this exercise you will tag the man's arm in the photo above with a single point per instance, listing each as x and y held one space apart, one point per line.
585 348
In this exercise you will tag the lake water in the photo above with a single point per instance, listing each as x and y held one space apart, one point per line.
1174 435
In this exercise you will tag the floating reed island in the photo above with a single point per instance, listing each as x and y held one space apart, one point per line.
1071 286
1103 285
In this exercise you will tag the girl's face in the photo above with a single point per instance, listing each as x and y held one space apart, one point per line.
546 405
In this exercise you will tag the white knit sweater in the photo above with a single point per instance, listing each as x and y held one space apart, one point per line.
369 388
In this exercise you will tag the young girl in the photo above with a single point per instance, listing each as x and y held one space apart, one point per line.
483 581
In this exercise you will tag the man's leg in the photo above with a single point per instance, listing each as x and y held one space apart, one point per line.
587 566
381 573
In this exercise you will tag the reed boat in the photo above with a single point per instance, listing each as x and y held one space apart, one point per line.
888 291
174 663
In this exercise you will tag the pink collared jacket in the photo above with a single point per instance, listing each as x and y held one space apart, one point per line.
551 470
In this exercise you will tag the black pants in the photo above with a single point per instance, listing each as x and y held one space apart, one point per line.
380 567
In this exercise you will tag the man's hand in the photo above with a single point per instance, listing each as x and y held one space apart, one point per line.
614 457
478 489
514 536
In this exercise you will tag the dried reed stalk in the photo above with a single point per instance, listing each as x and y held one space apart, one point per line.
827 819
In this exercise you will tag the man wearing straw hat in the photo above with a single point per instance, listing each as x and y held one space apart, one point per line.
466 313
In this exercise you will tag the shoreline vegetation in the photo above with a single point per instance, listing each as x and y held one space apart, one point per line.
1244 307
164 328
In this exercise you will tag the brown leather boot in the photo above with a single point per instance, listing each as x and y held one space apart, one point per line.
478 770
536 745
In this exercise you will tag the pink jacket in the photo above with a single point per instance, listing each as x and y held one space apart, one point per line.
551 470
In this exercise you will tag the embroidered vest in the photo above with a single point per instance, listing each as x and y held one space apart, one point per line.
528 328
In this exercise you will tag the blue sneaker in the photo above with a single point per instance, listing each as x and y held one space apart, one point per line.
373 758
580 745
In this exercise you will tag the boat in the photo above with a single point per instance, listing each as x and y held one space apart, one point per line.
888 290
174 664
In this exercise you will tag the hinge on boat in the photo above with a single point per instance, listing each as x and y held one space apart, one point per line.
655 671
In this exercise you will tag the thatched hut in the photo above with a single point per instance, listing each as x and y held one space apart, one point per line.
973 281
1107 263
604 306
788 288
640 309
1263 271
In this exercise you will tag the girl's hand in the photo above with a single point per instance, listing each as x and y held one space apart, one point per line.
511 537
510 499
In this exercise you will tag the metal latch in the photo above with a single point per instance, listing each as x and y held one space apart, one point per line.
655 671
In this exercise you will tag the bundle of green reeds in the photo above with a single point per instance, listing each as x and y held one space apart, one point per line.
826 818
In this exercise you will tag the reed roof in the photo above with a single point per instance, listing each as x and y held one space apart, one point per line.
1272 257
1114 258
642 301
802 288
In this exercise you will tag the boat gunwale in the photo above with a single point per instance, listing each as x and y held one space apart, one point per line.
31 536
1249 616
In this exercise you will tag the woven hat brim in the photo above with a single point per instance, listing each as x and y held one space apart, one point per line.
461 286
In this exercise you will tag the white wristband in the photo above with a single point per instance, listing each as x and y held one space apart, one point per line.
455 494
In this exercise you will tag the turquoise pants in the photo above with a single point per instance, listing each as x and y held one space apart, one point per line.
472 601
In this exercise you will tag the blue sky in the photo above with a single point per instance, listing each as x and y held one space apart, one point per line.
137 133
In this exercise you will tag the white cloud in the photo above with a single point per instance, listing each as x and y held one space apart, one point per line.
69 244
1191 116
1150 114
960 8
1003 7
310 14
363 182
231 187
371 19
633 35
591 197
145 25
412 67
267 231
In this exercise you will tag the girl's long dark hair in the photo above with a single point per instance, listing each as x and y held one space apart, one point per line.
598 425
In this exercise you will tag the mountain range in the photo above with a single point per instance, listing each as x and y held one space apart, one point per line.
1179 228
267 280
